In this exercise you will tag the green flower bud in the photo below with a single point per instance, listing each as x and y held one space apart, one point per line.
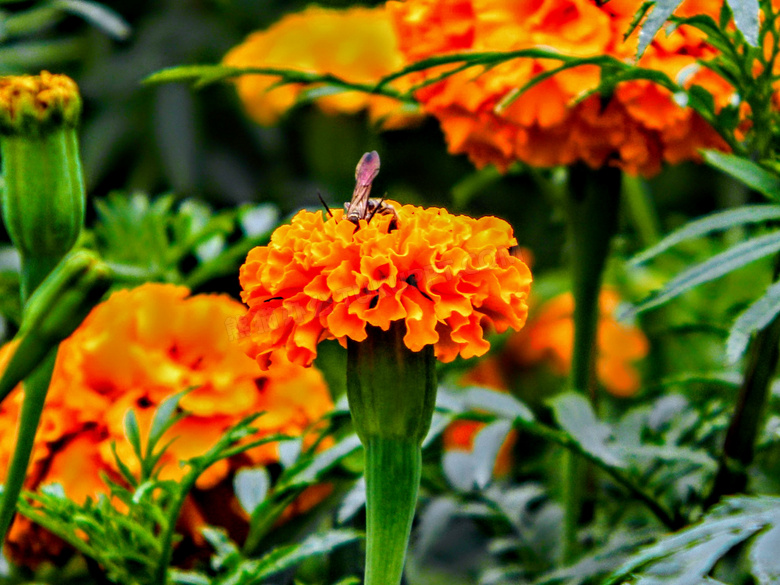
392 394
43 190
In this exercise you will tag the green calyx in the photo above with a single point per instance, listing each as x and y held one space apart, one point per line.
43 197
391 389
392 394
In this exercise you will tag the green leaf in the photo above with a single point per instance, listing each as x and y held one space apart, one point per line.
689 556
765 558
191 73
251 487
98 15
746 171
575 415
132 433
755 318
499 403
287 557
662 10
487 444
254 572
717 266
746 14
717 221
164 418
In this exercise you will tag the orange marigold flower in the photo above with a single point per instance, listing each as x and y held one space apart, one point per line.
549 336
357 45
135 350
638 128
446 276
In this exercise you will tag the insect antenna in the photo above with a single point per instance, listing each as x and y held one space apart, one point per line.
325 205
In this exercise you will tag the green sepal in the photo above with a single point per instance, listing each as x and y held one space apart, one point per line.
391 389
43 194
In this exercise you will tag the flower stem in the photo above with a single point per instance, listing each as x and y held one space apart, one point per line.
392 480
392 393
593 202
739 446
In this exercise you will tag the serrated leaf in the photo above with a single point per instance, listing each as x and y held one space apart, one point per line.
287 557
753 319
98 15
746 171
765 558
259 219
746 14
251 487
353 502
717 266
662 10
487 444
575 415
322 462
716 222
500 403
688 556
458 467
433 523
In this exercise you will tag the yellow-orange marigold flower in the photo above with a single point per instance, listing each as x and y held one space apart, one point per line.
357 44
135 350
549 337
446 276
637 128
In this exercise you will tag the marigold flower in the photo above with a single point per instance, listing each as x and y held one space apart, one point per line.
549 336
135 350
447 277
637 128
357 44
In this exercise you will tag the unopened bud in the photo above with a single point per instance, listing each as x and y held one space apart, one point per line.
43 191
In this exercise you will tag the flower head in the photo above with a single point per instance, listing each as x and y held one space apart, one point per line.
135 350
447 277
549 337
637 128
357 44
34 103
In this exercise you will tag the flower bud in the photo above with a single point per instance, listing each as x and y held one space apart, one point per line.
43 191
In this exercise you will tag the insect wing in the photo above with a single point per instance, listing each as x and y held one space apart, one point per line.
365 172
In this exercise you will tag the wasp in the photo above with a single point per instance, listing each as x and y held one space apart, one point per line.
361 206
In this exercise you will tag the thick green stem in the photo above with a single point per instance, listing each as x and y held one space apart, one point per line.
392 480
392 394
739 446
594 198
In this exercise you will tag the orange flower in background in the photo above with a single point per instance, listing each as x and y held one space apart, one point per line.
637 128
448 277
460 436
357 44
135 350
549 337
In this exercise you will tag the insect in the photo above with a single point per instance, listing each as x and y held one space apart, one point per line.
361 206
